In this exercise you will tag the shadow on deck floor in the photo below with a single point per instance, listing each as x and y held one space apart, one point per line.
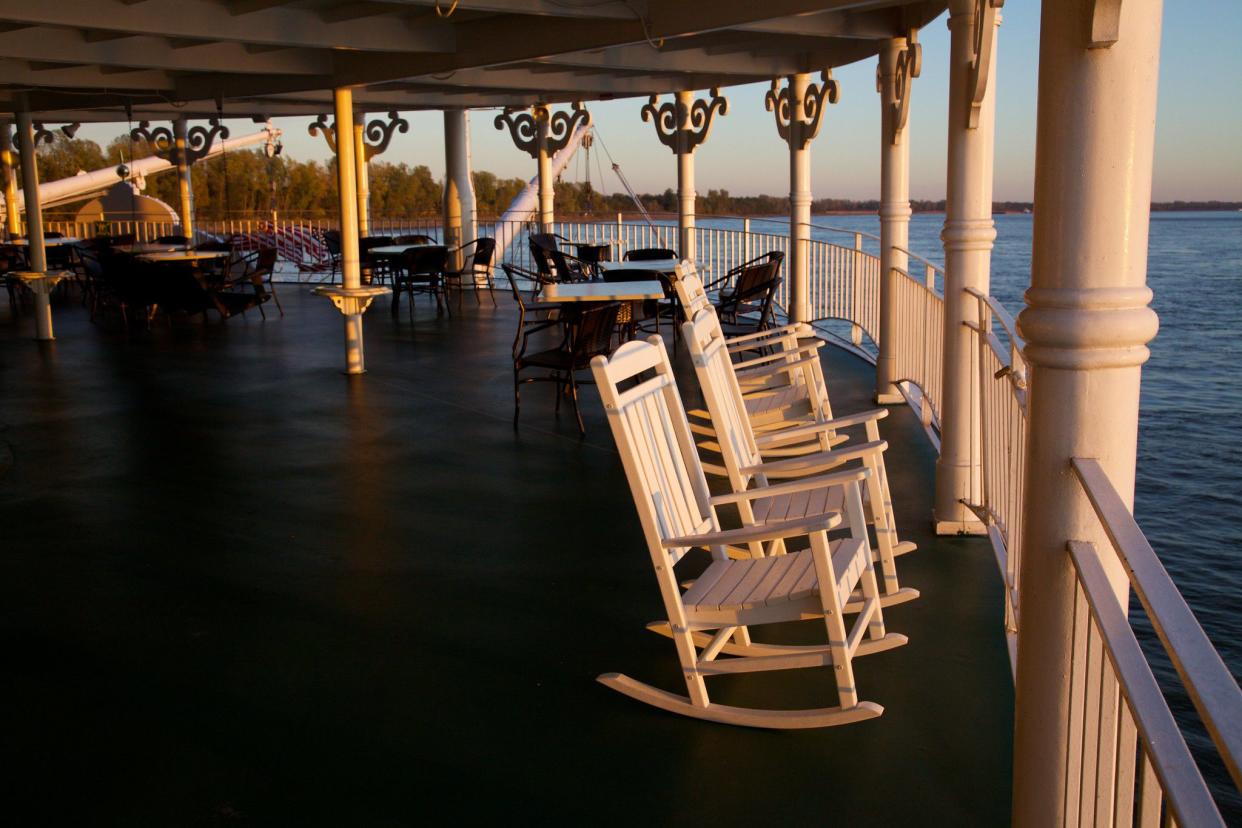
240 586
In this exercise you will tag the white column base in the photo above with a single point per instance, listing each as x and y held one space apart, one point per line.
893 397
41 285
353 303
958 527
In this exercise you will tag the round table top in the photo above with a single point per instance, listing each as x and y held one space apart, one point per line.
183 255
601 291
663 266
398 249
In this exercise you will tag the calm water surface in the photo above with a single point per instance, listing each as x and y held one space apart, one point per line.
1189 489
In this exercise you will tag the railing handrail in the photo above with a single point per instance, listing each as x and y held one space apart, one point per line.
926 262
920 282
1163 742
1208 682
1002 315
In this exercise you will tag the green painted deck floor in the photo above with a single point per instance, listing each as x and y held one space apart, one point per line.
239 586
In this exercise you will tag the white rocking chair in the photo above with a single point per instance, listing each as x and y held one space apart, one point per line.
784 385
711 618
743 453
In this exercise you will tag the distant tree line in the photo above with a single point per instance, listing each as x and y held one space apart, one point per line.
247 183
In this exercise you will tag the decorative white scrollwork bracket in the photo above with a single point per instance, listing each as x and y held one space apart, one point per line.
798 121
909 67
981 60
542 129
682 127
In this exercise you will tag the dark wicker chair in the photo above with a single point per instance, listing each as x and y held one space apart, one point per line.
478 267
747 294
588 333
420 270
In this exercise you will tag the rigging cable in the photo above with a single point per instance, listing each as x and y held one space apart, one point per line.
616 168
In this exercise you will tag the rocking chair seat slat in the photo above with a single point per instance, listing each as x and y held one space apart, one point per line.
756 582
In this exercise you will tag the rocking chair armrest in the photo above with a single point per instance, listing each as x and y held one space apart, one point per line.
820 481
812 429
809 348
763 532
815 463
775 368
773 333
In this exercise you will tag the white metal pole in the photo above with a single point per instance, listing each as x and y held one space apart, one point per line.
799 205
547 186
185 187
685 176
36 253
968 234
13 222
894 219
351 267
1087 324
459 201
361 176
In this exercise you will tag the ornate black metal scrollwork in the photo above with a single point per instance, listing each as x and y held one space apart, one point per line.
562 126
682 127
553 129
160 139
321 127
42 135
984 36
198 140
798 121
378 133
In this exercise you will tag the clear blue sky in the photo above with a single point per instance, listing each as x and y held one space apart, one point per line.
1198 139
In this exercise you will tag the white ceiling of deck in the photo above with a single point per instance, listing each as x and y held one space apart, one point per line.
86 60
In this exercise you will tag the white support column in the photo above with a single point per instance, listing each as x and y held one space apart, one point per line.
38 278
547 183
542 133
682 125
799 214
685 201
459 203
185 187
799 109
899 64
361 177
968 234
1087 324
12 217
351 298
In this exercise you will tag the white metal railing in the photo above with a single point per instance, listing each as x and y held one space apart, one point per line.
920 334
1002 402
1127 758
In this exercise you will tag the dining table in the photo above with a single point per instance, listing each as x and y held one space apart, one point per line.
657 267
389 251
602 291
189 256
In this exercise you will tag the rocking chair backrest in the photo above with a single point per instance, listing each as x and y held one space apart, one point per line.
690 290
710 354
657 449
